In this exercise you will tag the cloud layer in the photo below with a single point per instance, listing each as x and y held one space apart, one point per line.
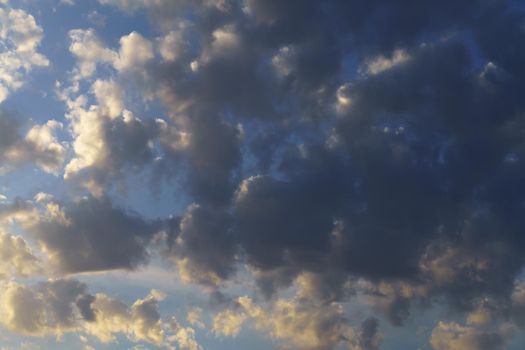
334 150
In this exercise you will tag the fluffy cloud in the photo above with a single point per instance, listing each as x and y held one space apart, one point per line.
452 336
62 306
384 200
141 321
16 258
39 146
89 51
135 51
183 336
228 323
109 140
48 308
321 144
108 238
203 246
20 37
295 324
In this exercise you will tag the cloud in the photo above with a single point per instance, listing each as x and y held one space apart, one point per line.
337 147
184 336
16 257
109 140
452 336
228 323
58 307
295 324
380 64
92 235
203 247
39 146
141 322
397 178
135 51
20 37
369 337
48 308
18 211
194 315
89 51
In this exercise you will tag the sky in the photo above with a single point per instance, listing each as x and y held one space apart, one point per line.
262 174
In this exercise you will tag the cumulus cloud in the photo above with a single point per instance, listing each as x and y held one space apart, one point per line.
203 246
101 151
20 37
39 146
294 324
141 321
16 257
92 235
89 51
320 144
135 51
393 183
228 323
48 308
61 306
452 336
17 211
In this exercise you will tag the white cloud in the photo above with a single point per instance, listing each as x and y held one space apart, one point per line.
110 97
107 141
20 37
89 52
140 322
172 46
379 64
16 258
135 51
194 316
183 336
224 41
228 323
43 147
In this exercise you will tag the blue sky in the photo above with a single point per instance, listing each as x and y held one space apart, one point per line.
263 174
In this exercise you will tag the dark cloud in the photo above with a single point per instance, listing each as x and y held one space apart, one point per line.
64 298
9 130
93 235
202 245
51 307
369 338
376 140
123 145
